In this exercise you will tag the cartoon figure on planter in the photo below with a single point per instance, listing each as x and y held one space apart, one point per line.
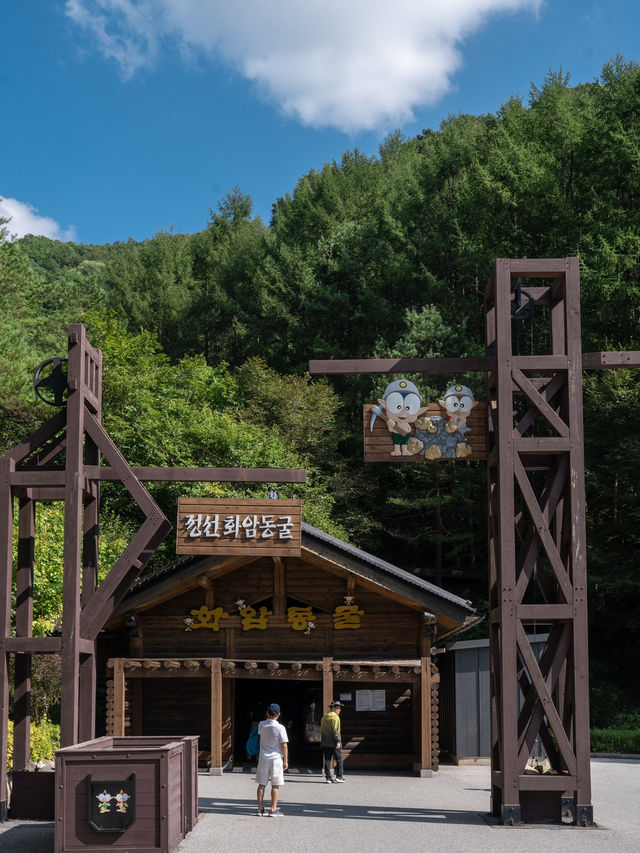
443 438
400 407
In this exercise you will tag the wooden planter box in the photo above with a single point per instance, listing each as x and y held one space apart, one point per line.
189 769
162 795
32 795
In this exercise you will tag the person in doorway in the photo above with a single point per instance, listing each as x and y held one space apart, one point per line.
331 741
273 760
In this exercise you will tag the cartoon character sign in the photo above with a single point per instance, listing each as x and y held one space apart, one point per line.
400 406
444 438
104 801
416 434
121 800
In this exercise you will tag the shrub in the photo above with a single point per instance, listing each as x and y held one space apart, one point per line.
45 739
618 740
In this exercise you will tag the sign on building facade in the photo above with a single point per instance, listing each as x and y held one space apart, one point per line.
229 526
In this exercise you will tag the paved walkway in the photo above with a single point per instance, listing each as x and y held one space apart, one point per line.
383 813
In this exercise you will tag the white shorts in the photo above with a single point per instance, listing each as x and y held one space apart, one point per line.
270 769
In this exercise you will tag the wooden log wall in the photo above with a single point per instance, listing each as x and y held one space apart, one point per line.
387 627
380 738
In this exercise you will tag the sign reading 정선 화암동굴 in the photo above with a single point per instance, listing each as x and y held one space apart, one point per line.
228 526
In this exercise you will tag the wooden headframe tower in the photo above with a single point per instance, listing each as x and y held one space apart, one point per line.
63 461
537 534
537 549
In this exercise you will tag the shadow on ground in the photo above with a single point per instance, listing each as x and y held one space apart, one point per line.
27 838
243 808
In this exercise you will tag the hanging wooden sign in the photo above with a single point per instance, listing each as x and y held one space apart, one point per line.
228 526
400 427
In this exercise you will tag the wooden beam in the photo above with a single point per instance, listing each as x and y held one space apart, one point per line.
34 645
203 475
610 360
480 364
182 581
534 267
38 477
124 571
44 433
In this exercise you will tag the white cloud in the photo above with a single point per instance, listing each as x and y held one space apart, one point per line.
350 64
25 219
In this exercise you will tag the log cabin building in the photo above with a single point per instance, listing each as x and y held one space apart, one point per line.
203 645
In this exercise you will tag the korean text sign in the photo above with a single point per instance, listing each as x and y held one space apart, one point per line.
229 526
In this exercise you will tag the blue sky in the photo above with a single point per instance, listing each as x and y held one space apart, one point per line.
121 118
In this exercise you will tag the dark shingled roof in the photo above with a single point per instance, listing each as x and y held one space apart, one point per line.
310 534
389 568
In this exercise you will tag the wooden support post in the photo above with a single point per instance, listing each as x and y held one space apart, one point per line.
71 578
87 696
6 557
506 674
578 536
327 682
118 697
90 538
426 766
216 717
279 591
24 623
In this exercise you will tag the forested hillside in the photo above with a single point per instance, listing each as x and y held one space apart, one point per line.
207 336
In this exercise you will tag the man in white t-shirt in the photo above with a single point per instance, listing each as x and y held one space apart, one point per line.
274 759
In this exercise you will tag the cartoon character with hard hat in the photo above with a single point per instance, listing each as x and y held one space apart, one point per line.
443 437
400 406
458 401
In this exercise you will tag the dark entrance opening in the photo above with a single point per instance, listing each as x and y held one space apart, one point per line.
301 710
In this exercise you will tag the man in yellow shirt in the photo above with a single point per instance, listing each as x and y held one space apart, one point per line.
331 741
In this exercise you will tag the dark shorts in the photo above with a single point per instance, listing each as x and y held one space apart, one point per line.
400 439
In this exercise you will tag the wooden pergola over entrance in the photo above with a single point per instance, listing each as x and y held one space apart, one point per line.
128 672
63 461
537 535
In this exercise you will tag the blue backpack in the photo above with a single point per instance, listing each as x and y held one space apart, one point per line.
253 743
